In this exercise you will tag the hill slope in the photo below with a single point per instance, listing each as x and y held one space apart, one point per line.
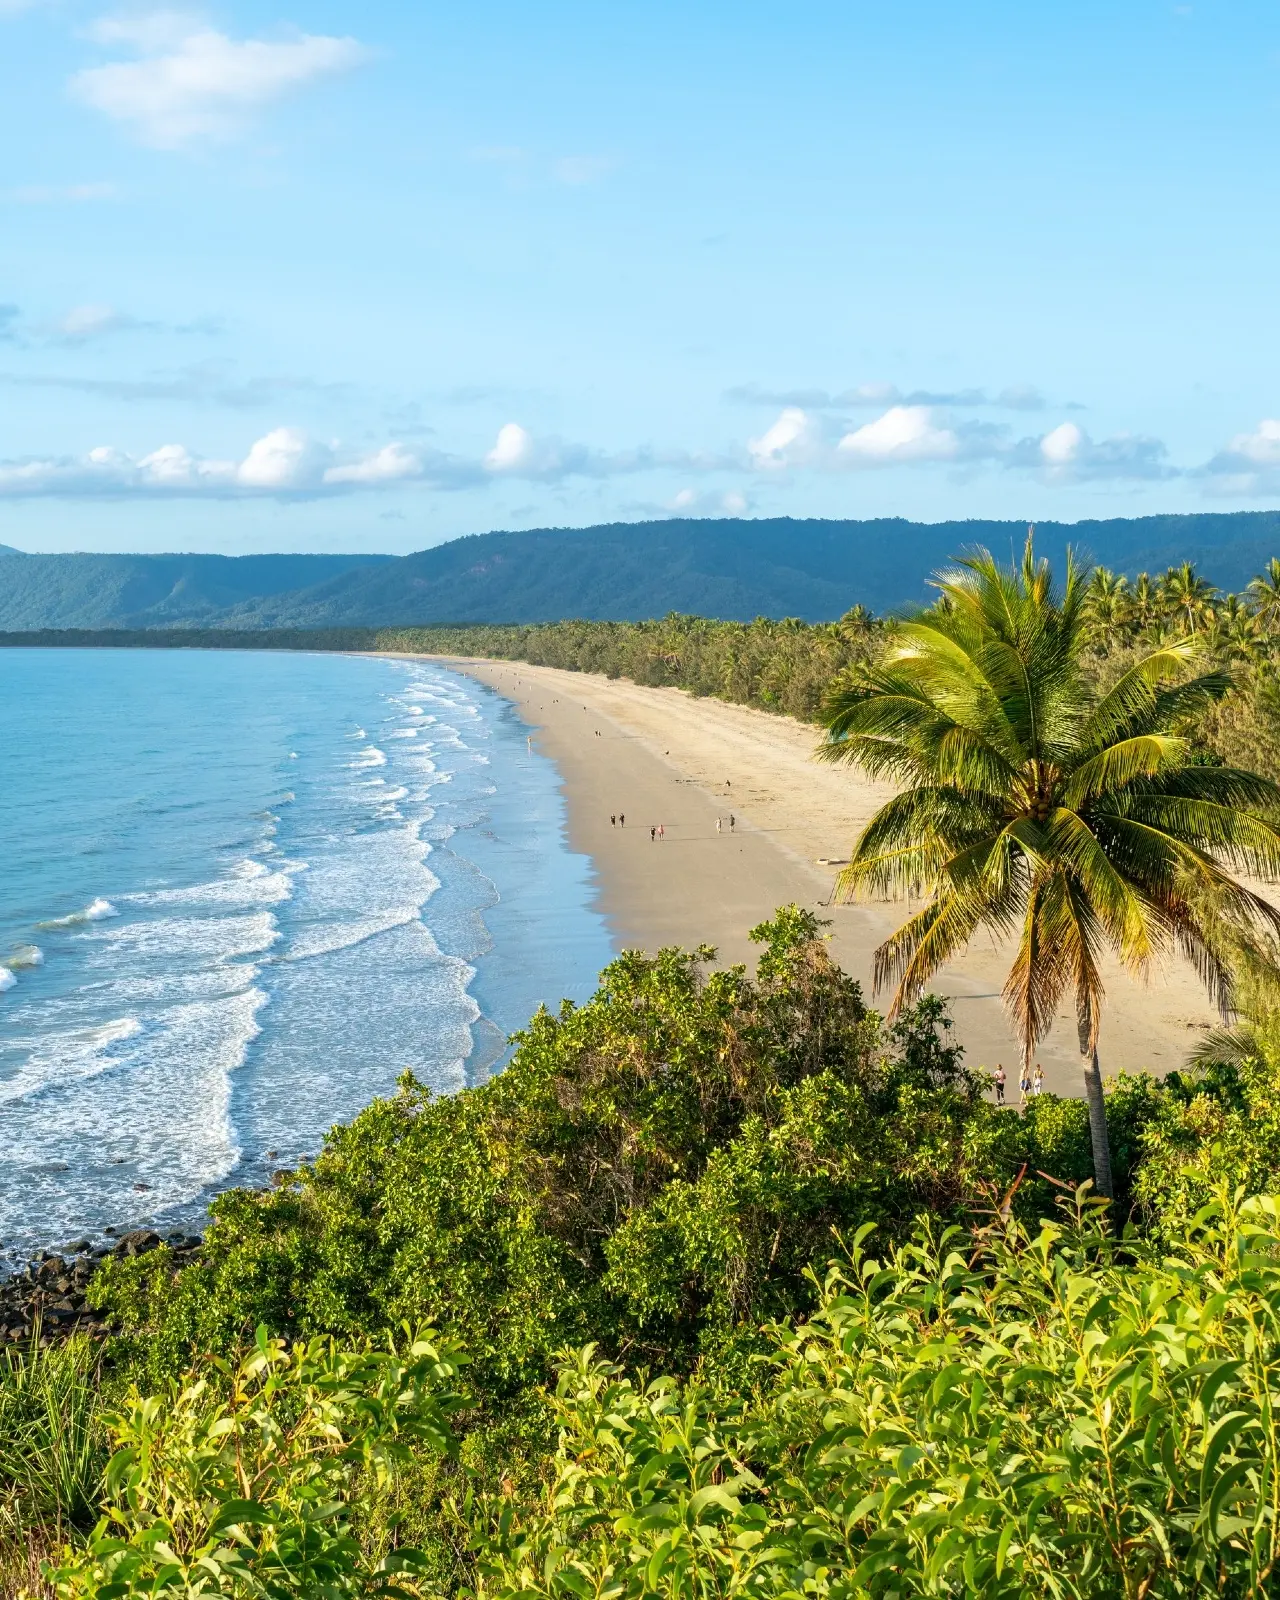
729 568
110 591
733 568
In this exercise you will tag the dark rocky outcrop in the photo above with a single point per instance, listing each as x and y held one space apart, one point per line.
48 1299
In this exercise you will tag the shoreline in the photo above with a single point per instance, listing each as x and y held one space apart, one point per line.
665 757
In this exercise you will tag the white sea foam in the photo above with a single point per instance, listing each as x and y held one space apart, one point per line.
96 911
325 938
67 1057
403 733
23 957
370 756
249 883
207 938
7 979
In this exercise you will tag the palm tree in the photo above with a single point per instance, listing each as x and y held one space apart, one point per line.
1264 595
1145 604
1107 599
1036 803
1186 593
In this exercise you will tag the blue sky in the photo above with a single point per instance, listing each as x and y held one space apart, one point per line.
322 276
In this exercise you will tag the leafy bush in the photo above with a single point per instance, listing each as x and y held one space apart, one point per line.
254 1480
655 1170
1014 1415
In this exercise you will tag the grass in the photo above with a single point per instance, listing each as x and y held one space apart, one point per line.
52 1454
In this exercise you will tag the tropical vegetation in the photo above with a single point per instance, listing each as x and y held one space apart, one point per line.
729 1284
1044 805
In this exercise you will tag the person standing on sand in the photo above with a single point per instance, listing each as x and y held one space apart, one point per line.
1000 1082
733 822
1024 1085
613 822
653 836
1037 1083
622 819
719 824
662 832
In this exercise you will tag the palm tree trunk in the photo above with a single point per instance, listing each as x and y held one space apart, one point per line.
1097 1106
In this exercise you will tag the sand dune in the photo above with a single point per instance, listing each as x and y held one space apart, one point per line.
661 756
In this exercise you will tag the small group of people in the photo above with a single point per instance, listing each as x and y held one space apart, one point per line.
1030 1083
618 820
733 823
657 832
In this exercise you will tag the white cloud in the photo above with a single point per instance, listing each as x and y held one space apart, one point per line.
1067 454
83 323
287 462
284 461
903 433
513 450
190 82
694 503
392 464
1061 446
285 458
1250 463
1261 448
794 440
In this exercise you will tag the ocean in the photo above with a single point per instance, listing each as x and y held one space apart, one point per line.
241 893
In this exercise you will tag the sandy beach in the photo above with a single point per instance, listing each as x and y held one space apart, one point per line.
663 758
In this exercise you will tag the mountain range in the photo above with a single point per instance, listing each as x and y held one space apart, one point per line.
731 568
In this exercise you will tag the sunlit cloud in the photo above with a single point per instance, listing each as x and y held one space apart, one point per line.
186 82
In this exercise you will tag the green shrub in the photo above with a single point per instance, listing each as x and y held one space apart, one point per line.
1017 1415
256 1480
655 1170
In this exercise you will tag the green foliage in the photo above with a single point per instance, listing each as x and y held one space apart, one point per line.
1220 1126
1018 1415
52 1452
252 1480
1035 803
655 1169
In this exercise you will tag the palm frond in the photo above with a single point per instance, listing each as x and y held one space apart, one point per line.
1117 765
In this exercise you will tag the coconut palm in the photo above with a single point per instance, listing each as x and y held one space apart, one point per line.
1264 595
1036 804
1144 606
1107 599
1187 595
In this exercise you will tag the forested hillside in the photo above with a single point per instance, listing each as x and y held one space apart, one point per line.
124 591
732 569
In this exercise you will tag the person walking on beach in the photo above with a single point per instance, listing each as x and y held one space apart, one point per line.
653 836
622 819
662 832
1037 1083
1000 1081
719 824
1024 1084
613 822
733 822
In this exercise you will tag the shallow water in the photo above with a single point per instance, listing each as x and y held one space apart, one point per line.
241 892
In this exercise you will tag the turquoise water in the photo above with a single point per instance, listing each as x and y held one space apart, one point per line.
239 894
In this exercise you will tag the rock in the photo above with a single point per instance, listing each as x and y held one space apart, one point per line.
137 1242
77 1247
